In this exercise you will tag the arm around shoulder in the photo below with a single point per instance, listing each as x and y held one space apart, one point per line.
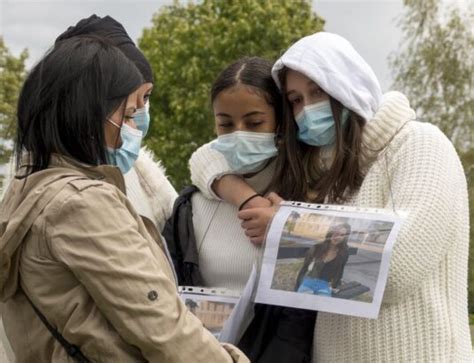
206 165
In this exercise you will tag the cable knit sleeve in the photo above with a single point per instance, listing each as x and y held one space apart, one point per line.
428 182
207 165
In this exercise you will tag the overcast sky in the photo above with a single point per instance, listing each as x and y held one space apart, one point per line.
34 24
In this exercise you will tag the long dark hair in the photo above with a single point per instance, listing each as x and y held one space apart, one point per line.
342 248
255 72
299 174
66 99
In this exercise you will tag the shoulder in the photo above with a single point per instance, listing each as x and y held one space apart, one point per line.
86 198
422 136
423 145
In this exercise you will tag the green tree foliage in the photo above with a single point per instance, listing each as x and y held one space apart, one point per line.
188 45
12 73
435 66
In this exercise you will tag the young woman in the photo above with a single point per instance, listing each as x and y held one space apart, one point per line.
344 142
324 263
247 109
65 215
148 188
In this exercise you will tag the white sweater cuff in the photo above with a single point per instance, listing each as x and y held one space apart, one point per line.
207 165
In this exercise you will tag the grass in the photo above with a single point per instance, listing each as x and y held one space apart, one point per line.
286 272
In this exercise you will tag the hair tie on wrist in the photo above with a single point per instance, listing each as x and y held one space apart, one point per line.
248 200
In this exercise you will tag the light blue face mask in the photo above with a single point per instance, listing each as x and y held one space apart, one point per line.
316 124
246 152
125 156
141 117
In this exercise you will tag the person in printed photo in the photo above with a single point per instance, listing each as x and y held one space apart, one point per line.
324 263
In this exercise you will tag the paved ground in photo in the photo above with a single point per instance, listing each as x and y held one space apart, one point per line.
363 268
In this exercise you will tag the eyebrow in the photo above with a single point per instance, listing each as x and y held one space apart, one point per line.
309 83
246 115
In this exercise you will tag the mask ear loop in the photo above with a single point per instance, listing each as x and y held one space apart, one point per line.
119 126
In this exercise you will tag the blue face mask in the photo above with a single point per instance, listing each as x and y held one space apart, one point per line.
125 156
246 152
141 117
316 124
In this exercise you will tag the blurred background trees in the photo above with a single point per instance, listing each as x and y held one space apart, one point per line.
12 73
189 44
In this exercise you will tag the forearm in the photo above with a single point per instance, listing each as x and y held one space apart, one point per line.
233 189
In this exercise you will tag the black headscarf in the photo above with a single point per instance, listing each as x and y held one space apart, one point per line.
114 32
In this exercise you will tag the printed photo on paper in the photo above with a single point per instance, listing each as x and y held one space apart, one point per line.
212 310
327 260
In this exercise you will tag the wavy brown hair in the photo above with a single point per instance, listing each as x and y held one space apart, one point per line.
299 174
342 248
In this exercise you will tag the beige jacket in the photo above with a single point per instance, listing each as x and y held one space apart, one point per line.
72 242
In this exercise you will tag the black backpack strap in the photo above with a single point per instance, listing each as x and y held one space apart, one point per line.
179 235
72 350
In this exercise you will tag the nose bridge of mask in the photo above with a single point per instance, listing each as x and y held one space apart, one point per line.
316 110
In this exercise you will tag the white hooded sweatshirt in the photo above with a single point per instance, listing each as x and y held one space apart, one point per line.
424 315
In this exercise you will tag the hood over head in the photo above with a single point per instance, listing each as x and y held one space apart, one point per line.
334 65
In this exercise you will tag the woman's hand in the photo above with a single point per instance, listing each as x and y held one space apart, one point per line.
256 216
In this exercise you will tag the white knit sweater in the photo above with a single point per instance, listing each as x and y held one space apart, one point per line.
424 313
226 255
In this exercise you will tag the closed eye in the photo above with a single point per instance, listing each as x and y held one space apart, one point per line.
255 123
294 100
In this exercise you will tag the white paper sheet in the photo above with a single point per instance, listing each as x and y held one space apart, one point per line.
299 228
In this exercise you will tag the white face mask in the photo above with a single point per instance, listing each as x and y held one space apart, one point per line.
141 117
125 156
316 124
246 152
